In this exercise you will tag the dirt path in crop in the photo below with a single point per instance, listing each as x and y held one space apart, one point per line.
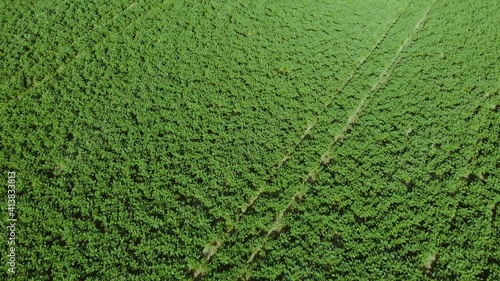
291 196
310 177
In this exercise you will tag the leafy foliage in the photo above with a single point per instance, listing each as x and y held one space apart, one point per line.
260 140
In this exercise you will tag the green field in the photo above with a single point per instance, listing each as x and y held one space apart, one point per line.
250 140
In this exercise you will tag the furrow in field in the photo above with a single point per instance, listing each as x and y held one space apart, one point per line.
252 227
311 177
310 127
215 245
51 41
412 190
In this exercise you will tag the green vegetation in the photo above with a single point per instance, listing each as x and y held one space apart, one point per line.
252 140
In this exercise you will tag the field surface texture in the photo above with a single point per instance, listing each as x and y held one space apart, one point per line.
251 140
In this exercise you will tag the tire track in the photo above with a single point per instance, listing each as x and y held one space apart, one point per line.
275 229
210 251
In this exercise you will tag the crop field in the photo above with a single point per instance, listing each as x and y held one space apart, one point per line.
250 140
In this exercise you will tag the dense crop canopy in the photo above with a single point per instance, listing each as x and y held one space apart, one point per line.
251 140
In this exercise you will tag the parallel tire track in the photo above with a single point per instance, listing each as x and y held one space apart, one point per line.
383 79
213 247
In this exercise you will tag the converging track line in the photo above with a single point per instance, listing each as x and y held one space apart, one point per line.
383 79
209 255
